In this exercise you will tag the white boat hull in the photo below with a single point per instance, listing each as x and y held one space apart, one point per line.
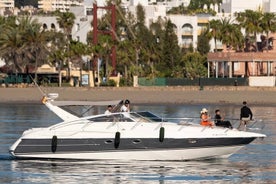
172 154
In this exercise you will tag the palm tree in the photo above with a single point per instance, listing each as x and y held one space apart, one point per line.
77 50
66 21
105 53
11 46
237 38
251 21
35 41
57 48
226 32
215 28
231 34
268 24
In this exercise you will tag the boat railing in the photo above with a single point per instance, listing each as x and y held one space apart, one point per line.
67 123
252 125
114 117
186 121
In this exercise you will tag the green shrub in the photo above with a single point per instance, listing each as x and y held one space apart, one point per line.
125 82
110 82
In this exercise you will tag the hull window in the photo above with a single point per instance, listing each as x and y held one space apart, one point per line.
108 142
136 141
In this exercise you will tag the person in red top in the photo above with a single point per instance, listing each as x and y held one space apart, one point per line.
205 118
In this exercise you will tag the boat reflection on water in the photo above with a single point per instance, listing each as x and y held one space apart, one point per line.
208 171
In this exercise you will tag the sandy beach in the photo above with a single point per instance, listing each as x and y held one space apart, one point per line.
147 95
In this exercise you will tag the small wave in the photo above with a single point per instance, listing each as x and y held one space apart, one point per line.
6 157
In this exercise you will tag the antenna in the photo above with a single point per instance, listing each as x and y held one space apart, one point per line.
41 91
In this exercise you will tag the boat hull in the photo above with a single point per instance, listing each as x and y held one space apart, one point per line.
172 154
129 149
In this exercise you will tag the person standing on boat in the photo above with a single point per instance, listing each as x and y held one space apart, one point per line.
205 118
219 121
126 106
245 116
108 110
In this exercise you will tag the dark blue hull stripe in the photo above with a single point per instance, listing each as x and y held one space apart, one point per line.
99 145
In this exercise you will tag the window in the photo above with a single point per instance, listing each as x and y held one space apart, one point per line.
111 118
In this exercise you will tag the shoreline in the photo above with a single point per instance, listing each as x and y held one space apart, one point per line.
147 95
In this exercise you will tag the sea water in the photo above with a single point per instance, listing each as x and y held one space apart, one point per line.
255 163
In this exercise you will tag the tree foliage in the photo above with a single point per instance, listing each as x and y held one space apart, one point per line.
251 20
146 51
203 45
195 7
194 65
170 51
22 42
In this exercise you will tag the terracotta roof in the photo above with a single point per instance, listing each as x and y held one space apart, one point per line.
241 56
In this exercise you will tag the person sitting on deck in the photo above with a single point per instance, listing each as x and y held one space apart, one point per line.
108 110
205 118
220 122
126 106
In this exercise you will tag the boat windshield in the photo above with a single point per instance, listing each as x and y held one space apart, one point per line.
127 117
146 116
111 118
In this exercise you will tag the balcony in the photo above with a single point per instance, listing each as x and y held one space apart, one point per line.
187 33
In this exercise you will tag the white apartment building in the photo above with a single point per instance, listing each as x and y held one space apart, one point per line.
141 2
232 6
61 5
269 5
187 27
80 29
6 4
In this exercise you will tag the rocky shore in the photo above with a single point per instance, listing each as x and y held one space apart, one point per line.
146 95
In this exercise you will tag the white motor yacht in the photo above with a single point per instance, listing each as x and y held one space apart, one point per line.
126 136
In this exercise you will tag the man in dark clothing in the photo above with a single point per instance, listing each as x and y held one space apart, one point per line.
220 122
245 116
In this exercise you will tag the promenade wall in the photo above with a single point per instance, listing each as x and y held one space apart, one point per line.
147 95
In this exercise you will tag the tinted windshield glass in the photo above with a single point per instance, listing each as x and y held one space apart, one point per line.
150 116
111 118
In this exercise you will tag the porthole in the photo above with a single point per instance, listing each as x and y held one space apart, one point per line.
108 142
136 141
191 141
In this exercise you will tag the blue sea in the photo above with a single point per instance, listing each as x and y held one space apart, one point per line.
255 163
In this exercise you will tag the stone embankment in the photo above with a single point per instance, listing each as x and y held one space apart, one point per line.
146 95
